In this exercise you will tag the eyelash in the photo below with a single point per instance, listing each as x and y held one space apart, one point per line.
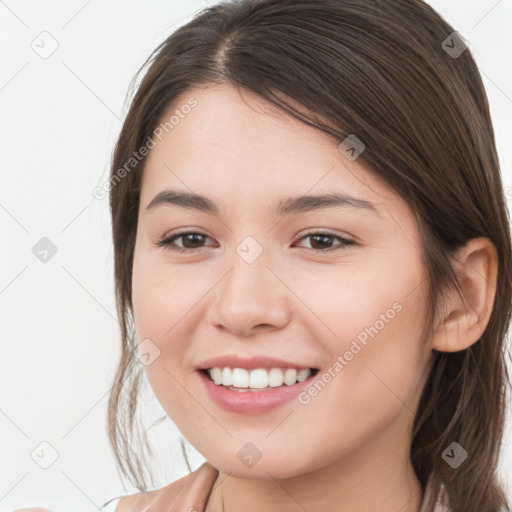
167 243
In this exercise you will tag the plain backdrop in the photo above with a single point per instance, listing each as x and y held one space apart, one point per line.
59 118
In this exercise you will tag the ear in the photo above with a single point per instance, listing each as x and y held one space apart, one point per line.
464 321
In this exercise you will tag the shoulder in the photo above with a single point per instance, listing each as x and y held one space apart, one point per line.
191 491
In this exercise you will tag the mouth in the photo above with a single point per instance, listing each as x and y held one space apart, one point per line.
257 380
256 391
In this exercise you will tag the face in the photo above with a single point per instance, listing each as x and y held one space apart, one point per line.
335 287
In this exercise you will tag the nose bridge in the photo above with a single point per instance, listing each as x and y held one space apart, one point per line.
250 294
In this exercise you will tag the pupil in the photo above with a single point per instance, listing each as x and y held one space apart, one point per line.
324 237
197 236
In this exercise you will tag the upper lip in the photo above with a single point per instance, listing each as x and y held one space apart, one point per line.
249 363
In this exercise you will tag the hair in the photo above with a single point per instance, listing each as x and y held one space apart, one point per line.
376 69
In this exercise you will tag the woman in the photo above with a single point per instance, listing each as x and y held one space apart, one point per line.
312 262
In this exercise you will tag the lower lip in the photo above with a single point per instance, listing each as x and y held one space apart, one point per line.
252 402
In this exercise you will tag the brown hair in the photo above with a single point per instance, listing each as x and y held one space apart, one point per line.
377 69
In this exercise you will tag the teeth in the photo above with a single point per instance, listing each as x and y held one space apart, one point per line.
303 374
259 378
227 377
216 375
290 377
240 378
275 378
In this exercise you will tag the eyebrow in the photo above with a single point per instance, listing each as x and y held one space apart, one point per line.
293 205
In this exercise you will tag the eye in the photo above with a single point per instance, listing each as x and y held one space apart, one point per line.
192 240
189 237
322 239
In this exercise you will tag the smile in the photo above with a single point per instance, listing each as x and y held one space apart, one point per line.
276 387
241 379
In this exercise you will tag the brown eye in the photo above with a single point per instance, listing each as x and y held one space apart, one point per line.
191 240
322 242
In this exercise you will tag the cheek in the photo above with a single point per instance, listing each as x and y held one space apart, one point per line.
372 386
362 302
375 322
162 296
163 300
154 319
378 361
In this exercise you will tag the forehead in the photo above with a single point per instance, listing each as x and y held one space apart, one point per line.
234 145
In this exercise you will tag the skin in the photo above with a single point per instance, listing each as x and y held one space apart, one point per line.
348 448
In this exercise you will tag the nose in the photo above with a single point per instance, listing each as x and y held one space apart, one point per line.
250 298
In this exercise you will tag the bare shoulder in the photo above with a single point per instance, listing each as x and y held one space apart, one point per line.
173 496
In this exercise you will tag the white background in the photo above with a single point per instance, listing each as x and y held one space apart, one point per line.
59 119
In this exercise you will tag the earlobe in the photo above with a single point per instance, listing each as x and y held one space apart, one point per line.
465 319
